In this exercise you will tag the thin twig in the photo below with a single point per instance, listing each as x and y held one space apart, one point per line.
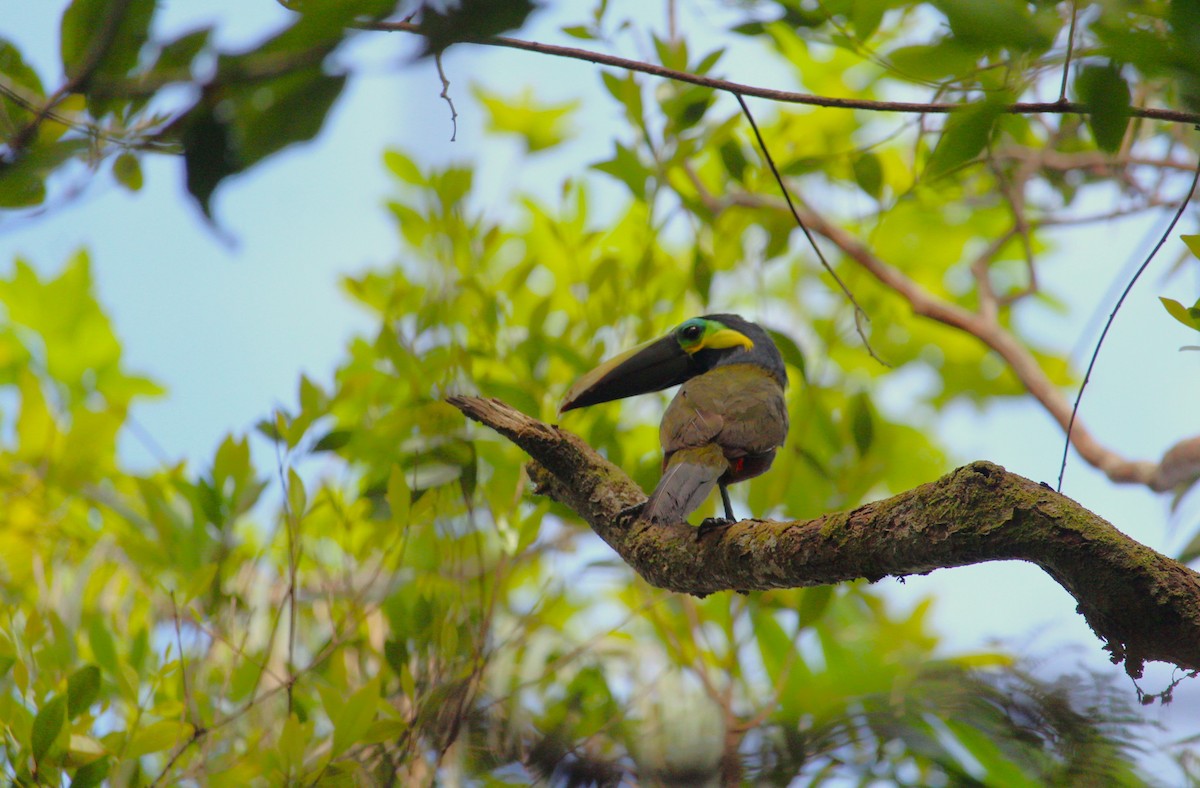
859 313
1183 204
1062 91
782 96
193 712
290 520
437 59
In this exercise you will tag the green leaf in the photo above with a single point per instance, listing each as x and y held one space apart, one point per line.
1191 551
47 724
255 120
177 55
399 497
296 495
626 167
1189 316
284 111
734 159
996 23
92 774
293 742
791 352
867 15
332 440
209 155
579 31
103 39
929 62
23 80
353 718
103 646
967 133
157 737
200 582
868 174
1193 243
470 20
626 90
20 186
540 126
83 687
814 603
128 171
1106 95
862 423
403 168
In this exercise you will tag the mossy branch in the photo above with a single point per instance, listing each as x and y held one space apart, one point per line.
1143 605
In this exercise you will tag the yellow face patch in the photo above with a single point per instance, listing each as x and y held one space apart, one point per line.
726 337
699 334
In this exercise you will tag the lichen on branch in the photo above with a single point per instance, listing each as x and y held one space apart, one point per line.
1142 604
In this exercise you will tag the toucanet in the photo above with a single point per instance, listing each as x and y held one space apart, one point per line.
725 423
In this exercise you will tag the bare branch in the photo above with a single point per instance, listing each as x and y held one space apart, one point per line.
1144 605
445 94
783 96
993 334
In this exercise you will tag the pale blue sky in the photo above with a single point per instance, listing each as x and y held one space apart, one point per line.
228 329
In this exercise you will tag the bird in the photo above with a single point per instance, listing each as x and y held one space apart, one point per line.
724 424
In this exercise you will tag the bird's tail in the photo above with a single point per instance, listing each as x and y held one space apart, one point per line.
687 480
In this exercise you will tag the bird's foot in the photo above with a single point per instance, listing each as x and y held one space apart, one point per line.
711 524
630 514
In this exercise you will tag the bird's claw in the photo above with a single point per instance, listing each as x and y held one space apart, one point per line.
711 524
630 514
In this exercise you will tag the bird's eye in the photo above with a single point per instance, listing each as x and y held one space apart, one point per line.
692 333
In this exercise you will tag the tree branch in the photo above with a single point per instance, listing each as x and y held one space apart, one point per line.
784 96
1143 605
1179 464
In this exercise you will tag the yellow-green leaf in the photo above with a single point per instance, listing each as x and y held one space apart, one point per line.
82 688
353 719
157 737
128 171
967 133
399 497
297 497
1190 317
46 725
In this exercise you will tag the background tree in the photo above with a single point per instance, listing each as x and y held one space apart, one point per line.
402 610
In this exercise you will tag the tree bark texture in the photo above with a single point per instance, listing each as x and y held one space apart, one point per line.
1142 604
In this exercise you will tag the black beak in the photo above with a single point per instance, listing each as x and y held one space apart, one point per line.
652 366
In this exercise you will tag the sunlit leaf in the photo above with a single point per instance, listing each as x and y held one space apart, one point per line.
157 737
540 126
353 716
1189 316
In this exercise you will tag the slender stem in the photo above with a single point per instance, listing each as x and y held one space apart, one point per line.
437 59
859 313
1183 204
783 96
1062 91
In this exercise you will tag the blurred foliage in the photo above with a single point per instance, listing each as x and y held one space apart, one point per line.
385 602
